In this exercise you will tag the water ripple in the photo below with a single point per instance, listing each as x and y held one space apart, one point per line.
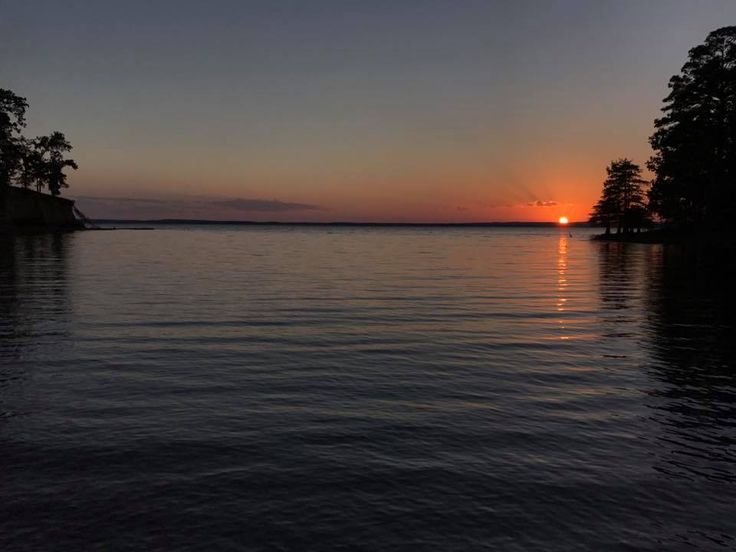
364 389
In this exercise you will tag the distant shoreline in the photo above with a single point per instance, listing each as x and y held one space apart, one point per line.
672 237
517 224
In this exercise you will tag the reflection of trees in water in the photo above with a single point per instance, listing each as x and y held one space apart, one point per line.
692 301
683 326
692 332
690 337
620 265
34 305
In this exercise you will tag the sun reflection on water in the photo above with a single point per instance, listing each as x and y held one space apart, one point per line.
562 283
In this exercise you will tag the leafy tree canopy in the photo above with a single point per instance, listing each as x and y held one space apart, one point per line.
623 201
694 141
12 144
25 162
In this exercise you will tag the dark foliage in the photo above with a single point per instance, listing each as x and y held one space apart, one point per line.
38 162
695 140
623 201
12 144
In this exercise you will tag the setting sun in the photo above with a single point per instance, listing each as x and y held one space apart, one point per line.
563 220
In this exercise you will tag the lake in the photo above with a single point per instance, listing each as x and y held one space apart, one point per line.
364 388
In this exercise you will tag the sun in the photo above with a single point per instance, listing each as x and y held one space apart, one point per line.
563 220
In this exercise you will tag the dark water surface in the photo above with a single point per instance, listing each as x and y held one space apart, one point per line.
291 388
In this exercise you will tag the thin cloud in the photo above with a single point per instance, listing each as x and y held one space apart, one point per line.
193 207
113 200
264 205
541 203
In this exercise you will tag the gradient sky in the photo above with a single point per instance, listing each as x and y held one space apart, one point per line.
371 110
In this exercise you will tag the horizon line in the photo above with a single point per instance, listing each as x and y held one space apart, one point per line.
339 223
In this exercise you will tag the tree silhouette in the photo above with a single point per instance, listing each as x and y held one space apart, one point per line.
605 212
24 162
12 144
31 169
48 163
623 200
695 140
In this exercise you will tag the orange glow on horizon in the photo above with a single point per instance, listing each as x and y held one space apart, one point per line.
563 220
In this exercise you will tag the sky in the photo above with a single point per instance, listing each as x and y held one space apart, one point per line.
344 110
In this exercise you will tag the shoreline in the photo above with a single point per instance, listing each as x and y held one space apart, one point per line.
649 236
705 239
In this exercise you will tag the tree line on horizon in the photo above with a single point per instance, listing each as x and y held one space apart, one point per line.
29 162
694 144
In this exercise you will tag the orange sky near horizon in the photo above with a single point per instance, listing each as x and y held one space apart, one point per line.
327 110
456 194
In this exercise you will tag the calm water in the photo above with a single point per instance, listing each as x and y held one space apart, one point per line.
364 389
